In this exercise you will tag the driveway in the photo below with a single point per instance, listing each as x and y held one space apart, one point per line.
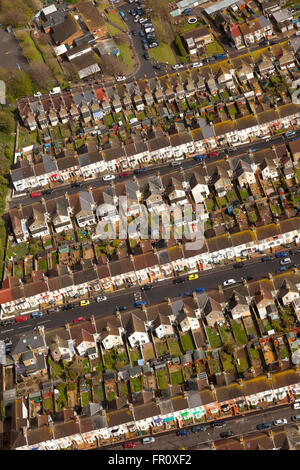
11 52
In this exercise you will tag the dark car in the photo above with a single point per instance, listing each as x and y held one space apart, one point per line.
226 434
134 32
218 424
183 432
239 265
68 306
157 67
77 184
281 270
139 171
47 191
198 428
267 258
147 287
179 280
121 308
263 426
7 322
146 56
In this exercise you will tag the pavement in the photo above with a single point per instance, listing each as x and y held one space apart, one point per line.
163 168
161 291
240 425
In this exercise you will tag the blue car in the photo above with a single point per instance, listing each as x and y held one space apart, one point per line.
141 33
139 171
281 270
253 150
144 41
199 289
139 303
281 254
183 432
199 157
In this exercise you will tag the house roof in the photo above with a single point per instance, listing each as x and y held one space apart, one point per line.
63 31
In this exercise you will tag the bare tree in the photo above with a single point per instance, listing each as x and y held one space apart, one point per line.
41 75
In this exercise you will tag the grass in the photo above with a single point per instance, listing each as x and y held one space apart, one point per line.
126 54
232 196
136 384
28 47
190 27
163 53
86 365
226 361
162 381
42 265
176 378
112 30
222 202
243 365
239 332
210 205
162 348
254 353
135 356
244 194
213 338
85 399
149 354
174 348
225 333
187 342
214 367
214 48
47 403
117 20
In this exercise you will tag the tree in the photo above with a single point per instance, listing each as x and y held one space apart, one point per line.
7 123
180 46
229 347
15 18
113 65
20 85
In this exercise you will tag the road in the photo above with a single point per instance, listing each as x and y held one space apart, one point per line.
161 291
163 168
240 425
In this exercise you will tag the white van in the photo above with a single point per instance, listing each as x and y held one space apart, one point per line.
296 406
285 261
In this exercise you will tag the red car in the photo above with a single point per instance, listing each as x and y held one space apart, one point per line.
213 154
20 319
129 445
78 319
35 194
122 175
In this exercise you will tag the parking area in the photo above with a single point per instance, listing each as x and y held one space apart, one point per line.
11 56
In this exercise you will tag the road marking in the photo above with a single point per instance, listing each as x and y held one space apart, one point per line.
25 326
6 331
46 321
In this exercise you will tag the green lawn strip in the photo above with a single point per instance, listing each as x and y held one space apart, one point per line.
85 400
254 354
110 396
116 19
28 47
136 384
86 365
48 403
135 356
123 389
214 48
162 380
239 332
149 354
112 30
61 398
243 365
213 338
283 352
186 342
162 348
126 53
226 361
213 366
176 377
162 53
210 204
109 360
232 196
174 348
222 202
225 334
244 194
42 265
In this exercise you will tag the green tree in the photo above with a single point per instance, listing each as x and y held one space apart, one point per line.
229 347
20 85
7 123
180 46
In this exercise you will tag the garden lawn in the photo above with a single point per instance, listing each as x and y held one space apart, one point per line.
176 378
227 361
162 53
174 348
187 342
214 48
86 365
213 338
162 379
162 348
134 356
136 384
47 403
126 54
254 353
84 399
239 332
243 365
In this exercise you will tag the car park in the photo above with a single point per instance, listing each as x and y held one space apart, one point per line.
84 302
229 282
108 177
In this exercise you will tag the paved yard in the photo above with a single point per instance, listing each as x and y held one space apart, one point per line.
9 44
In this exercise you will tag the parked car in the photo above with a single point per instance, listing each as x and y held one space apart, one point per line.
285 261
84 302
199 289
281 254
193 276
196 64
144 41
108 177
238 265
76 320
129 445
175 164
21 319
101 298
141 33
146 56
139 303
153 44
37 94
134 32
218 424
7 322
35 194
37 314
77 184
121 308
147 287
68 306
295 418
281 270
145 46
139 171
267 258
157 66
296 406
226 434
54 309
148 440
198 428
179 280
279 422
47 191
183 432
122 175
213 154
120 78
229 282
263 426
